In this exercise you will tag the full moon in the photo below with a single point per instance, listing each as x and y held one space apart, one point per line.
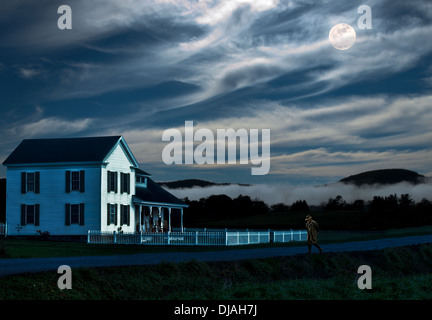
342 36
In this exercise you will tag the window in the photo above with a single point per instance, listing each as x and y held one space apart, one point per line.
30 182
74 214
75 181
112 181
141 180
30 214
125 182
112 214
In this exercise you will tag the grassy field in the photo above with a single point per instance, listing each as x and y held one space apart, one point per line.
398 273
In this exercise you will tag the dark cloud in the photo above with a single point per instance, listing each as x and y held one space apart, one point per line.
139 67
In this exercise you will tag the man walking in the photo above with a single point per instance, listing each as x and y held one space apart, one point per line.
312 233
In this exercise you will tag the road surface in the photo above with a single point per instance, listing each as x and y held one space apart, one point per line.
31 265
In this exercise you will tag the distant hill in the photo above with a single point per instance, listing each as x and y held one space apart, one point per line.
385 176
190 183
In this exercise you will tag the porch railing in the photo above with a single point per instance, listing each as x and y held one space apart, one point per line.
195 238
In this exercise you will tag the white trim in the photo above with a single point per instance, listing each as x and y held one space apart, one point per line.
126 151
163 204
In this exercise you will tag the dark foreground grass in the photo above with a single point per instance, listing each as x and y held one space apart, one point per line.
397 273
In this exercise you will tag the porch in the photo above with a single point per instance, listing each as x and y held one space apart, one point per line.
155 209
152 218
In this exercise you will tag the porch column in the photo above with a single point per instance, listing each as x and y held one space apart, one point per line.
169 219
161 215
181 219
151 217
140 218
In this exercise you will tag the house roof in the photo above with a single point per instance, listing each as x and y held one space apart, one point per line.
89 149
154 193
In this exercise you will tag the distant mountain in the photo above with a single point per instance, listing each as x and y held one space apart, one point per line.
190 183
385 176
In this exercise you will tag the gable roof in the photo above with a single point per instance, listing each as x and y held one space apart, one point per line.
154 193
64 150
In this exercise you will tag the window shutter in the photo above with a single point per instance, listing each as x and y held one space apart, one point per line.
23 214
128 215
121 182
115 182
67 214
81 214
82 181
37 182
23 182
68 183
128 183
121 214
36 213
108 214
115 218
108 181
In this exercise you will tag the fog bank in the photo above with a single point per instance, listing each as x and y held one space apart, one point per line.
314 195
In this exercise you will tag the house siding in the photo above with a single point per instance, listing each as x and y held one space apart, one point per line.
52 198
117 162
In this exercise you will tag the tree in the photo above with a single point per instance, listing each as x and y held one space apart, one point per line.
337 203
300 206
358 205
279 207
406 203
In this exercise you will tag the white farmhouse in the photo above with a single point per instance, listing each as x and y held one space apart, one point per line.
72 185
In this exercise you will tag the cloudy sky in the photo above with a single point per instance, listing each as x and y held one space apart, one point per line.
137 68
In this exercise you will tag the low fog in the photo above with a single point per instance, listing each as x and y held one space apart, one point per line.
272 194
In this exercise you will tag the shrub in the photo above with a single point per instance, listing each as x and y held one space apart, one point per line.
3 251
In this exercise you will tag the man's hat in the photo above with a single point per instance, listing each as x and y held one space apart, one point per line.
308 217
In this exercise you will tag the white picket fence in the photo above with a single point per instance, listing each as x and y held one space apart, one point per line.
196 238
288 236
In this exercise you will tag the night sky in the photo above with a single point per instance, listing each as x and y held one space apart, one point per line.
137 68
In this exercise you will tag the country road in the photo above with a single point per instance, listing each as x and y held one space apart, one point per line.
31 265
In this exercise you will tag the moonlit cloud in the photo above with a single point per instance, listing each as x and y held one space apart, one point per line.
50 127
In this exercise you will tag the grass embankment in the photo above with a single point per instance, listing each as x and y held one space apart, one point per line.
397 273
